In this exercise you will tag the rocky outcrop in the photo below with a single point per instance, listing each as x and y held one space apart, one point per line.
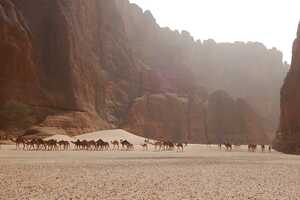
233 121
168 117
98 64
196 119
288 135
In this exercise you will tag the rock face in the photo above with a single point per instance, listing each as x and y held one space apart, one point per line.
245 70
168 117
196 119
233 120
86 65
18 76
287 139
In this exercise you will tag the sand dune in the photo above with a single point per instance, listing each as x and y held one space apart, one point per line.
109 135
60 137
106 135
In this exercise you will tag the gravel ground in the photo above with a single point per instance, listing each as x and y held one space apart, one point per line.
200 172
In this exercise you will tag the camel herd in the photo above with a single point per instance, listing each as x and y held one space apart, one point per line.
38 144
251 147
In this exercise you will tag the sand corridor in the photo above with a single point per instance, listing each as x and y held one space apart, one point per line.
200 172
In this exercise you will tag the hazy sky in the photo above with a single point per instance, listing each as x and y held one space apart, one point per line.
272 22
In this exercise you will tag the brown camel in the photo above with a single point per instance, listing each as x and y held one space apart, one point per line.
91 145
252 147
145 146
167 146
30 145
99 145
157 145
51 145
115 144
19 141
130 147
106 146
220 146
63 145
40 144
179 147
126 145
270 148
77 145
228 146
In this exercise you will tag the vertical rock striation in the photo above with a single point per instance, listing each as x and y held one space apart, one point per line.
288 135
84 65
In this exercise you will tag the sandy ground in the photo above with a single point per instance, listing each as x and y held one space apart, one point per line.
200 172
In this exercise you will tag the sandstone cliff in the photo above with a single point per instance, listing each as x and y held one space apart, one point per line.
287 139
86 65
233 120
212 119
245 70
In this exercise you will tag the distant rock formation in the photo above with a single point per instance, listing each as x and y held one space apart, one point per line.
233 121
212 119
168 117
82 66
245 70
288 135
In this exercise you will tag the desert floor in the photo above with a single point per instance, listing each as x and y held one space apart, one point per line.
201 172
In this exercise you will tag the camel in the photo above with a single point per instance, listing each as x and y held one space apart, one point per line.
145 146
157 145
30 145
167 146
170 146
51 145
19 141
115 144
179 147
99 144
130 147
220 146
185 144
106 146
270 148
91 145
126 145
228 146
40 144
77 144
262 148
63 145
252 147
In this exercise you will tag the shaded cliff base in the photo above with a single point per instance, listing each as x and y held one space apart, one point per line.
287 144
201 119
18 118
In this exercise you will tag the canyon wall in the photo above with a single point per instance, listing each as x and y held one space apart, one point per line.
287 139
88 65
245 70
